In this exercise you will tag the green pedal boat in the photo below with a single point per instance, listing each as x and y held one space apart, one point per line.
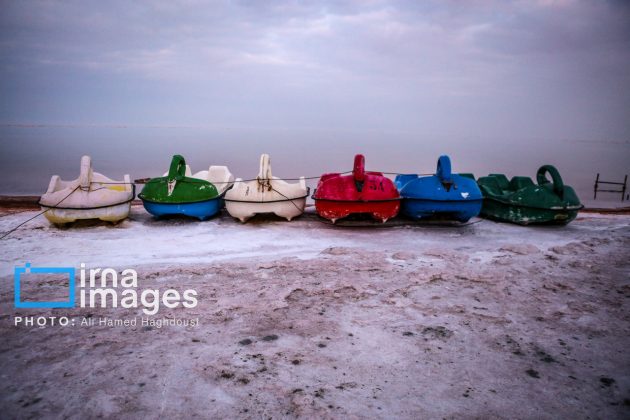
521 201
179 192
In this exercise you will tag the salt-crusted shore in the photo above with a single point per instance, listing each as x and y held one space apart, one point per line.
303 319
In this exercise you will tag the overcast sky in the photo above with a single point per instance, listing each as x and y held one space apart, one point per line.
543 68
490 72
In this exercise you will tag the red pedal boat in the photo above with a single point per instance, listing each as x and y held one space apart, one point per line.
338 196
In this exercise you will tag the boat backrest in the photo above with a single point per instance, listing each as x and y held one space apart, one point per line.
502 181
218 174
520 182
221 177
55 184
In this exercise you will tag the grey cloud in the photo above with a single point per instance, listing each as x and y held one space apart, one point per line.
488 67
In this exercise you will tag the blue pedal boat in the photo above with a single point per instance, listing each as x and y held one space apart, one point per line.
444 195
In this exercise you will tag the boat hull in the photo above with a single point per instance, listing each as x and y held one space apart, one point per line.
244 211
379 210
202 210
114 214
462 211
499 211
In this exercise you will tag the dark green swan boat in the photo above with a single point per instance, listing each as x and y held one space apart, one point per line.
521 201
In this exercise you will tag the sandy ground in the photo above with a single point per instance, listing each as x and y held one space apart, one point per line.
306 320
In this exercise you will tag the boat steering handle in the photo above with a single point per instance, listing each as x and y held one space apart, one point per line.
85 177
358 171
265 167
177 171
541 177
444 169
264 174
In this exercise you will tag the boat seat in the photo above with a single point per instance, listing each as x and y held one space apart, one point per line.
218 173
520 182
502 180
221 177
490 184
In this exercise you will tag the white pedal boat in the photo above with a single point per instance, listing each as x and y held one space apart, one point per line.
91 196
266 194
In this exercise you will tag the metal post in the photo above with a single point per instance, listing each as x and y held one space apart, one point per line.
595 188
623 190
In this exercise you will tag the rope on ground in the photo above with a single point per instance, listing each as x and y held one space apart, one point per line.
37 215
